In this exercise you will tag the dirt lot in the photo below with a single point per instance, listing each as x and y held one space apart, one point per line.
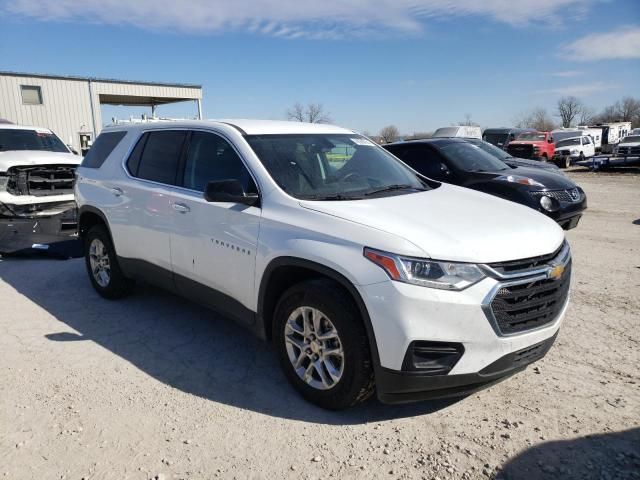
156 387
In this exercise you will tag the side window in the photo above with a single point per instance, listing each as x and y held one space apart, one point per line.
161 155
102 148
134 159
424 160
211 158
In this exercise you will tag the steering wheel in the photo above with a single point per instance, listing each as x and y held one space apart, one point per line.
350 177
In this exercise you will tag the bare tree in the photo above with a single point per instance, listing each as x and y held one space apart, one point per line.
389 134
537 118
468 122
608 114
587 116
568 109
311 113
628 109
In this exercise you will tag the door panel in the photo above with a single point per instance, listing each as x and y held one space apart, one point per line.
142 219
214 244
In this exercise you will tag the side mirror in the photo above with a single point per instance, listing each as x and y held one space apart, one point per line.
229 191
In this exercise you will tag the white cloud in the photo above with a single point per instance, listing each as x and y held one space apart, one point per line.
292 18
623 43
567 74
580 90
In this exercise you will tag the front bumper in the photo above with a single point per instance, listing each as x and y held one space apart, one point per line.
54 235
403 314
405 387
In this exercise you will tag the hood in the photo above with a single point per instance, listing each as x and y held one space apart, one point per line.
550 178
523 162
16 158
454 223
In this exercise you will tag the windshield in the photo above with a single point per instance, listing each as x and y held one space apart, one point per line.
472 158
568 142
16 139
491 150
495 138
332 167
631 139
532 137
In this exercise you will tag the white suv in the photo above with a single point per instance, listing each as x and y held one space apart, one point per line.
361 272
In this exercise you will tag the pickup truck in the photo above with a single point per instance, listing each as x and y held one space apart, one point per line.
533 145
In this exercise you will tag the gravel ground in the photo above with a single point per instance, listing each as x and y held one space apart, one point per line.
156 387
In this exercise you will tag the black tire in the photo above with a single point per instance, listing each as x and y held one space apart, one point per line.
357 381
118 285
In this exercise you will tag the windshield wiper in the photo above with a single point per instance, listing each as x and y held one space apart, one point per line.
332 197
391 188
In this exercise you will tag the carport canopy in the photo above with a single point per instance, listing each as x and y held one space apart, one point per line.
137 100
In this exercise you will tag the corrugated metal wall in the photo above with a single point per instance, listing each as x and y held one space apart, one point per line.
66 105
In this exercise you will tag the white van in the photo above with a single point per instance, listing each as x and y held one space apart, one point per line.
460 131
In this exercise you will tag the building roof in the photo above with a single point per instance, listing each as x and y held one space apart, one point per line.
98 79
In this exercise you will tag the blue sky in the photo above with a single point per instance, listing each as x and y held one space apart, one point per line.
416 64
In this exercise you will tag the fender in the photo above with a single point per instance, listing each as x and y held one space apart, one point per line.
263 324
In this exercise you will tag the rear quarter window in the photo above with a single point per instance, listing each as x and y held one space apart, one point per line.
159 156
102 148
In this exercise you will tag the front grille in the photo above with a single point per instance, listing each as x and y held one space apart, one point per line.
571 195
628 150
521 151
524 306
41 180
517 266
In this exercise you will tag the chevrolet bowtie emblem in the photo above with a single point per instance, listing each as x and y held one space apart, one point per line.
556 272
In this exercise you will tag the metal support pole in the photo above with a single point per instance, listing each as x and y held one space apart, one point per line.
199 104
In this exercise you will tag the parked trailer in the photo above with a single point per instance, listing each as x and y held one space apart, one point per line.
601 162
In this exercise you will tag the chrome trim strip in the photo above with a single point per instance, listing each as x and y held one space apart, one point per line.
562 258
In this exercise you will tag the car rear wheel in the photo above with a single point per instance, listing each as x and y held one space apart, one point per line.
322 345
102 265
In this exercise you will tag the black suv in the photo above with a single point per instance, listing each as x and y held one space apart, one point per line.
462 163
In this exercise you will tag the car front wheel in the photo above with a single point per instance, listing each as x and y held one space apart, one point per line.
322 345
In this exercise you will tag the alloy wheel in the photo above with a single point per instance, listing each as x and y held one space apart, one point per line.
314 348
99 262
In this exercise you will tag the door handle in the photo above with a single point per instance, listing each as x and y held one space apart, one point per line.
181 207
117 191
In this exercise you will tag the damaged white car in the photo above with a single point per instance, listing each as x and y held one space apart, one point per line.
37 206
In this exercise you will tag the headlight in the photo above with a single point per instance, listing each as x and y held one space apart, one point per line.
426 273
548 203
3 182
520 180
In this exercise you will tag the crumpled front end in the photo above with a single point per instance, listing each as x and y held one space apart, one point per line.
47 227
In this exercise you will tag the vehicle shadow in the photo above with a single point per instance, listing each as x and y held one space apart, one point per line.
611 455
180 344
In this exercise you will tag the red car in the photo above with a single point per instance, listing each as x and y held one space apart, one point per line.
534 145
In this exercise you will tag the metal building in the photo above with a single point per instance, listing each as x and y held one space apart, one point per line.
70 106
